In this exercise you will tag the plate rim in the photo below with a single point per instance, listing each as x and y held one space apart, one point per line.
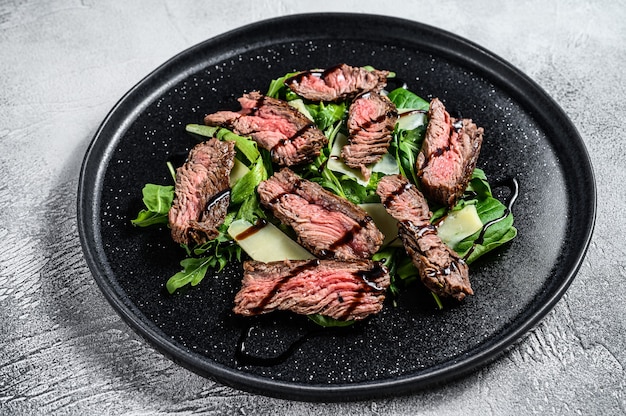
493 68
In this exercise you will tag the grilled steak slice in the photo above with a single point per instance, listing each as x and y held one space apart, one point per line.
327 225
448 155
344 290
202 192
337 83
441 270
276 126
371 120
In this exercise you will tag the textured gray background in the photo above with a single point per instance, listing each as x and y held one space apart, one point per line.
63 350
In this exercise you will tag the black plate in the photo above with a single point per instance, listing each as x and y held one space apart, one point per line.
406 347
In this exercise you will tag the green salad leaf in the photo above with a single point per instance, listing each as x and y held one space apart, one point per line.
327 115
278 89
157 200
247 147
407 100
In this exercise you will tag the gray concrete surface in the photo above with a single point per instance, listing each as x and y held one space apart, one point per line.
63 350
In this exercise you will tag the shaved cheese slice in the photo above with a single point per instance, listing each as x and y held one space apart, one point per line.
410 119
387 224
298 104
265 242
458 225
237 172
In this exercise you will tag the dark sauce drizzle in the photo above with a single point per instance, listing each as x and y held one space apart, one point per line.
258 226
411 112
368 276
246 358
215 199
458 125
513 185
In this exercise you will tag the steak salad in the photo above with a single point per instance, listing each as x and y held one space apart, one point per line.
336 193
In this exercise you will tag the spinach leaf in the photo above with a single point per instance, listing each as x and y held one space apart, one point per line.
407 100
157 200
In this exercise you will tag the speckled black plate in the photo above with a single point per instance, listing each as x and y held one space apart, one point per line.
406 347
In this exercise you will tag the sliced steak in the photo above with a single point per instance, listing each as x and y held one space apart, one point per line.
448 155
202 192
344 290
326 224
276 126
371 120
337 83
441 270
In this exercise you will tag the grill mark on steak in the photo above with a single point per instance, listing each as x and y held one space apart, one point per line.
344 290
336 83
440 268
327 225
448 156
371 120
288 134
202 192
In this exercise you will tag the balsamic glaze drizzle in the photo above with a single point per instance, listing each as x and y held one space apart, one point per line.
215 199
246 358
411 112
248 232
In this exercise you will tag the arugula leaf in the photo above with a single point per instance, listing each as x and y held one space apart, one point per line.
215 254
157 200
194 270
327 115
478 185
